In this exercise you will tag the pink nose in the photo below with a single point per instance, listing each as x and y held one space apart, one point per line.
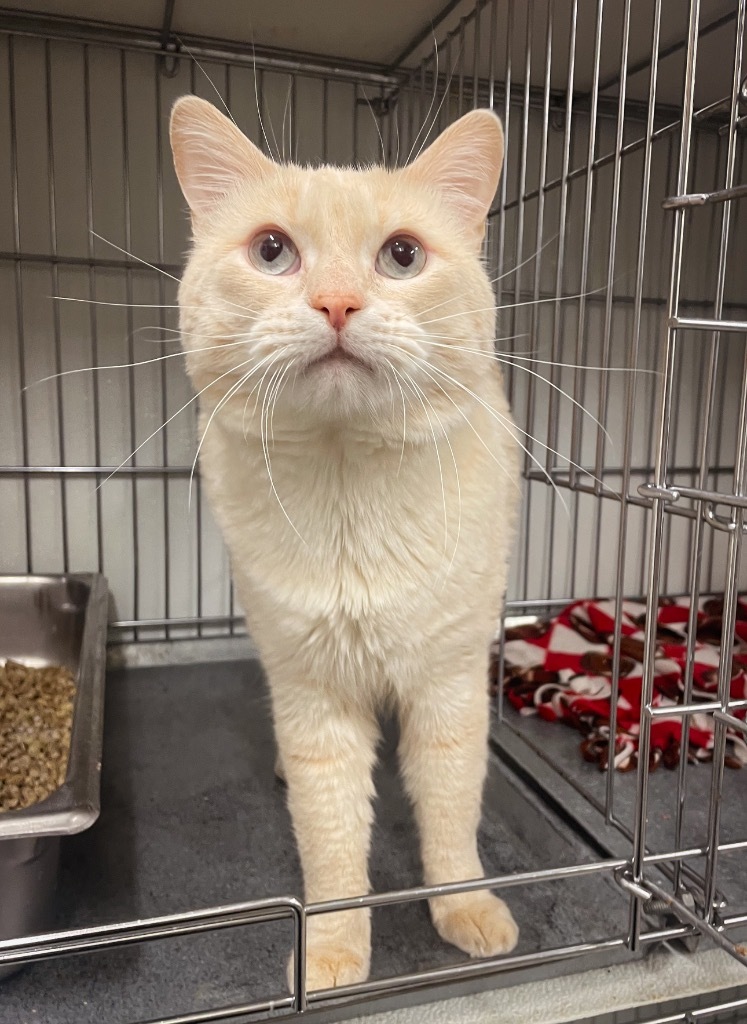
337 308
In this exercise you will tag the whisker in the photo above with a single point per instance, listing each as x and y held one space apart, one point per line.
495 280
456 473
476 432
430 108
132 256
551 384
417 392
404 415
515 305
166 423
536 440
148 305
225 398
507 424
212 83
138 362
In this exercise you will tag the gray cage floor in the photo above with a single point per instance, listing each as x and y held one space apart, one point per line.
192 816
550 752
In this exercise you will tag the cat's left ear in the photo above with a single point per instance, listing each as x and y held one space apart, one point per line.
464 165
211 155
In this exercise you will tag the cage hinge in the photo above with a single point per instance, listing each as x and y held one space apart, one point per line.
663 912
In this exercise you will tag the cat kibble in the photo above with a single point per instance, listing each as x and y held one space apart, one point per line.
36 716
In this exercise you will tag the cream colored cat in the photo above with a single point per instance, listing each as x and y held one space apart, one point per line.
359 456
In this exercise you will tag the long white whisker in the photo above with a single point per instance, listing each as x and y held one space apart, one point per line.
266 451
138 362
551 384
430 108
514 305
132 256
404 416
212 83
476 432
223 400
172 417
456 474
507 424
495 280
148 305
417 392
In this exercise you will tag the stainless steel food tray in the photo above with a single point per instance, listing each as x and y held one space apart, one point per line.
52 620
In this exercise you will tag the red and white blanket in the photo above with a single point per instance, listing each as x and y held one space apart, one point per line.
561 670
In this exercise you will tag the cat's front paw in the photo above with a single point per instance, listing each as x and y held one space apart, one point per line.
330 966
477 922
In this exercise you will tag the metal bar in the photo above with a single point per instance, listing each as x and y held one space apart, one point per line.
498 882
662 455
704 927
97 471
553 408
722 195
523 154
673 494
134 507
630 396
491 52
99 33
168 17
682 323
696 708
56 330
93 318
614 221
162 367
580 346
575 446
534 310
470 969
729 720
20 329
55 259
50 945
177 623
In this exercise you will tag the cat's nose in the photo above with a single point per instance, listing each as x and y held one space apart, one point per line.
337 308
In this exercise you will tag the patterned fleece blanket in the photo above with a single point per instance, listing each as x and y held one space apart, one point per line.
561 670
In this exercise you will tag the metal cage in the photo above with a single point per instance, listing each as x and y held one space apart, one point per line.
617 246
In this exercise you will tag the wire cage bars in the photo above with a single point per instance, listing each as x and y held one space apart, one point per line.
617 248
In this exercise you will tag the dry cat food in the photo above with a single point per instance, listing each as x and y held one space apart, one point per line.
36 716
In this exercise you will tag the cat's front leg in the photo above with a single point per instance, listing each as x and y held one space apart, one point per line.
443 754
327 751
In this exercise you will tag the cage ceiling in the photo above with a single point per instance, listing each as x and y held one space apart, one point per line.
403 33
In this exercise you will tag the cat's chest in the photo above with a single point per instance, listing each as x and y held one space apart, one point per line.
349 530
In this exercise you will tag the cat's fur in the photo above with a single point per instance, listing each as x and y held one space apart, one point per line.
379 580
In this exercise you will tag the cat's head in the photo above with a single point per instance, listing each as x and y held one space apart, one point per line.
339 293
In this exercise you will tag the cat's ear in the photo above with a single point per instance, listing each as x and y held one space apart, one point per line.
210 153
464 164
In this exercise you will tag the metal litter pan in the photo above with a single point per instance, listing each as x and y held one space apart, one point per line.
52 620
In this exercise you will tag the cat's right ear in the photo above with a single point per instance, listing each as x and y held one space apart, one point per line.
211 155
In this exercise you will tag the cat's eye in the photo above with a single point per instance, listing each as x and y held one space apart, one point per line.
273 252
401 256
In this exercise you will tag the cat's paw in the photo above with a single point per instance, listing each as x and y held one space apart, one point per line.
478 923
330 966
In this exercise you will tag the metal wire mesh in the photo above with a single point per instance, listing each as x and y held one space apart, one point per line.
632 304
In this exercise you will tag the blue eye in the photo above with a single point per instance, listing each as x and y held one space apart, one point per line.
274 253
401 257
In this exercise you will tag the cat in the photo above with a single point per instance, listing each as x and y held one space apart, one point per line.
360 459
